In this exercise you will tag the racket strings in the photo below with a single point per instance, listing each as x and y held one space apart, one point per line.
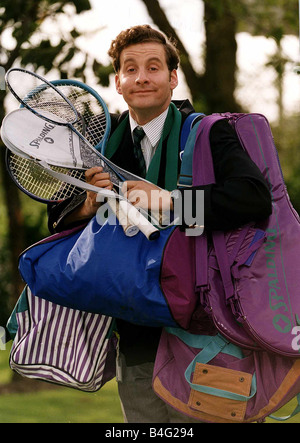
58 110
34 179
91 120
33 92
63 102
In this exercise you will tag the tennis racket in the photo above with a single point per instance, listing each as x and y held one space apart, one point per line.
51 182
57 108
53 104
94 115
32 178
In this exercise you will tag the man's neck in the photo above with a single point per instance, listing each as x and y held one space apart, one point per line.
146 116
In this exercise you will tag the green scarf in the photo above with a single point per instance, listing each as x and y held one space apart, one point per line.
171 131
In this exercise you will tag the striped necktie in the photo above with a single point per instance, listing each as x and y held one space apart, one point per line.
138 135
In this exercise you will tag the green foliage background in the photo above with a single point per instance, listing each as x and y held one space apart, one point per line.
22 21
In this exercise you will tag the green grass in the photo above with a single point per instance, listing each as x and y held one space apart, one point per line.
5 372
284 412
65 405
61 405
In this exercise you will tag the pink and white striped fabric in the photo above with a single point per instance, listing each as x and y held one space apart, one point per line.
60 345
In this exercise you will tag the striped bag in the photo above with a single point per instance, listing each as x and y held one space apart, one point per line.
61 345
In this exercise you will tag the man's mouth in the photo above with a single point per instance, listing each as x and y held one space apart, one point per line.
143 91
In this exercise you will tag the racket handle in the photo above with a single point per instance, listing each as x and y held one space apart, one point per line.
137 219
129 229
134 216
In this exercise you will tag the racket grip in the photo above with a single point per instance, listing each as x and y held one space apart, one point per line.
129 229
137 219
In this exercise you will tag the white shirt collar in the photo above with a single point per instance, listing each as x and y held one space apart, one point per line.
153 129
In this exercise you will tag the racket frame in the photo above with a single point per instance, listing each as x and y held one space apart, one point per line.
68 82
34 91
52 84
146 230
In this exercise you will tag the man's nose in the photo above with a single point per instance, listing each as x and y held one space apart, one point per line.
142 76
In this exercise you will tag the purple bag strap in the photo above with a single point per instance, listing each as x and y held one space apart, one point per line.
203 168
203 174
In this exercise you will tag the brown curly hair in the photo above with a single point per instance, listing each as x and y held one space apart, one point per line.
143 34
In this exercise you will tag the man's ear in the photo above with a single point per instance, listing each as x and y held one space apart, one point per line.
118 85
173 79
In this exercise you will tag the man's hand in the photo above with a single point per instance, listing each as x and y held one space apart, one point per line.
147 196
94 176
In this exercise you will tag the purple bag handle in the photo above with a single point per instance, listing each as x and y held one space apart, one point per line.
203 174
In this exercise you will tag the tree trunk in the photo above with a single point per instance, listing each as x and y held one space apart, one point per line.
214 91
15 229
159 17
220 58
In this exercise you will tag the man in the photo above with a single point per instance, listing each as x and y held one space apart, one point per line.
146 74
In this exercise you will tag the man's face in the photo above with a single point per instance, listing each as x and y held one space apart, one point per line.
145 81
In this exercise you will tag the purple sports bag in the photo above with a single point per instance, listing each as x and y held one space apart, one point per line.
249 366
257 263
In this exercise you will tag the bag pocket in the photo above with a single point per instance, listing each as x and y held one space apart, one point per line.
217 380
219 391
61 345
